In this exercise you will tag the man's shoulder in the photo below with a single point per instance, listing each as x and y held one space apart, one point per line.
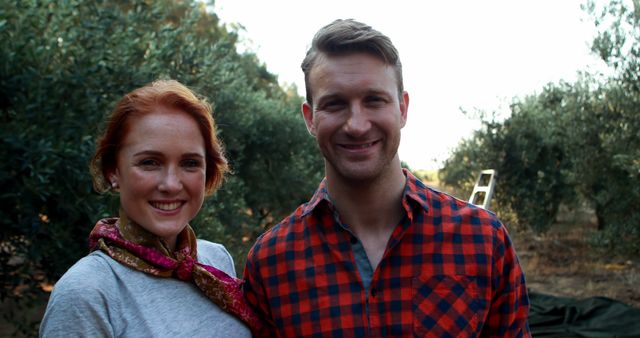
437 202
281 237
291 223
453 209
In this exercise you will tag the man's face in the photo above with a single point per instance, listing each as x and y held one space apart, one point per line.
356 115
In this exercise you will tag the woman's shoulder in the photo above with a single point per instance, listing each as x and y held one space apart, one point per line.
92 272
211 246
87 287
216 255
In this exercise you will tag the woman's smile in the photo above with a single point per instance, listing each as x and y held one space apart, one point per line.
161 172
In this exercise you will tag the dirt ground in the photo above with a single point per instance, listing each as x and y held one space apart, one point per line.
561 263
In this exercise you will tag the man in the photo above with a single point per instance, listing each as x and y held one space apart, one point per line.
375 253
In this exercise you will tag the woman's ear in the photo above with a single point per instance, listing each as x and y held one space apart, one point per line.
113 181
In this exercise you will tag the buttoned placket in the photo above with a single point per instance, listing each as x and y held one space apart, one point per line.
361 260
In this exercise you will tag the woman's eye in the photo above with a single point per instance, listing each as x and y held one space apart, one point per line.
148 163
190 164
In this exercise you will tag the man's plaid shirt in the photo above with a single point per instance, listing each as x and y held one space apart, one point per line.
449 270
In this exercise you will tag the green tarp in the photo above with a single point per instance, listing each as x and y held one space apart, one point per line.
599 317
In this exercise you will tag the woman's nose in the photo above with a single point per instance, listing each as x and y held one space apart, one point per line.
170 181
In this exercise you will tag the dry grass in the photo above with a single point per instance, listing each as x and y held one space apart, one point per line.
561 263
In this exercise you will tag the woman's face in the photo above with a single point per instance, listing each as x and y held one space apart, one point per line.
161 172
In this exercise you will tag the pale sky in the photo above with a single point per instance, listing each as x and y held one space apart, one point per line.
455 54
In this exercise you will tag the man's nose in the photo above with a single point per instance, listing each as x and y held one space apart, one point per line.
358 121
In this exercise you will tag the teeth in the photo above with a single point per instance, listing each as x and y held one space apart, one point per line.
359 146
166 206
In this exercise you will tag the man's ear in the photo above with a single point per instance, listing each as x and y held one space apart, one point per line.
307 113
404 109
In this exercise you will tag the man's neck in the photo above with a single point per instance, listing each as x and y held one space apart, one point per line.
369 207
372 210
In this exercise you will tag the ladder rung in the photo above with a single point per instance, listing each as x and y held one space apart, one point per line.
483 189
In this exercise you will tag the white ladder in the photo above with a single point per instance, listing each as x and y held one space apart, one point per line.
483 190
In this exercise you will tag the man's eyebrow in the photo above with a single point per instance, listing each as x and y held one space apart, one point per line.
327 97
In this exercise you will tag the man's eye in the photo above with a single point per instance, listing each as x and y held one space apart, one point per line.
376 100
332 105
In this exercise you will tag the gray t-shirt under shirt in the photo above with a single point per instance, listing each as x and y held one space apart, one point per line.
99 297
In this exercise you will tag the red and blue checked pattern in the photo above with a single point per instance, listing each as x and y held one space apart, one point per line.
449 270
445 306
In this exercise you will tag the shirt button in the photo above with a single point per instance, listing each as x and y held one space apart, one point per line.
354 240
374 291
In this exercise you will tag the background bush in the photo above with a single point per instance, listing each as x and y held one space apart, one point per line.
576 144
63 66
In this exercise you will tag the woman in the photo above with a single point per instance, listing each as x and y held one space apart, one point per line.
147 275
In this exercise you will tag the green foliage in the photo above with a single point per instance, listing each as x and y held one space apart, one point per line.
618 36
572 144
525 153
64 64
604 144
606 128
460 170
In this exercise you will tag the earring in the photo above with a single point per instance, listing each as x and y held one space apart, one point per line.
114 185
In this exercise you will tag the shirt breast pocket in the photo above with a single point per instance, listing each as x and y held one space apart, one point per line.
445 306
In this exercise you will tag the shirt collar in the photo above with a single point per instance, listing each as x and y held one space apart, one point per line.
414 191
321 195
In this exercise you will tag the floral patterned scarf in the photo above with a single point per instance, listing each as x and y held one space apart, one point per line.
133 246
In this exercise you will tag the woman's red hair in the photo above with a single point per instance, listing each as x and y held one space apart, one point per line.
145 100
